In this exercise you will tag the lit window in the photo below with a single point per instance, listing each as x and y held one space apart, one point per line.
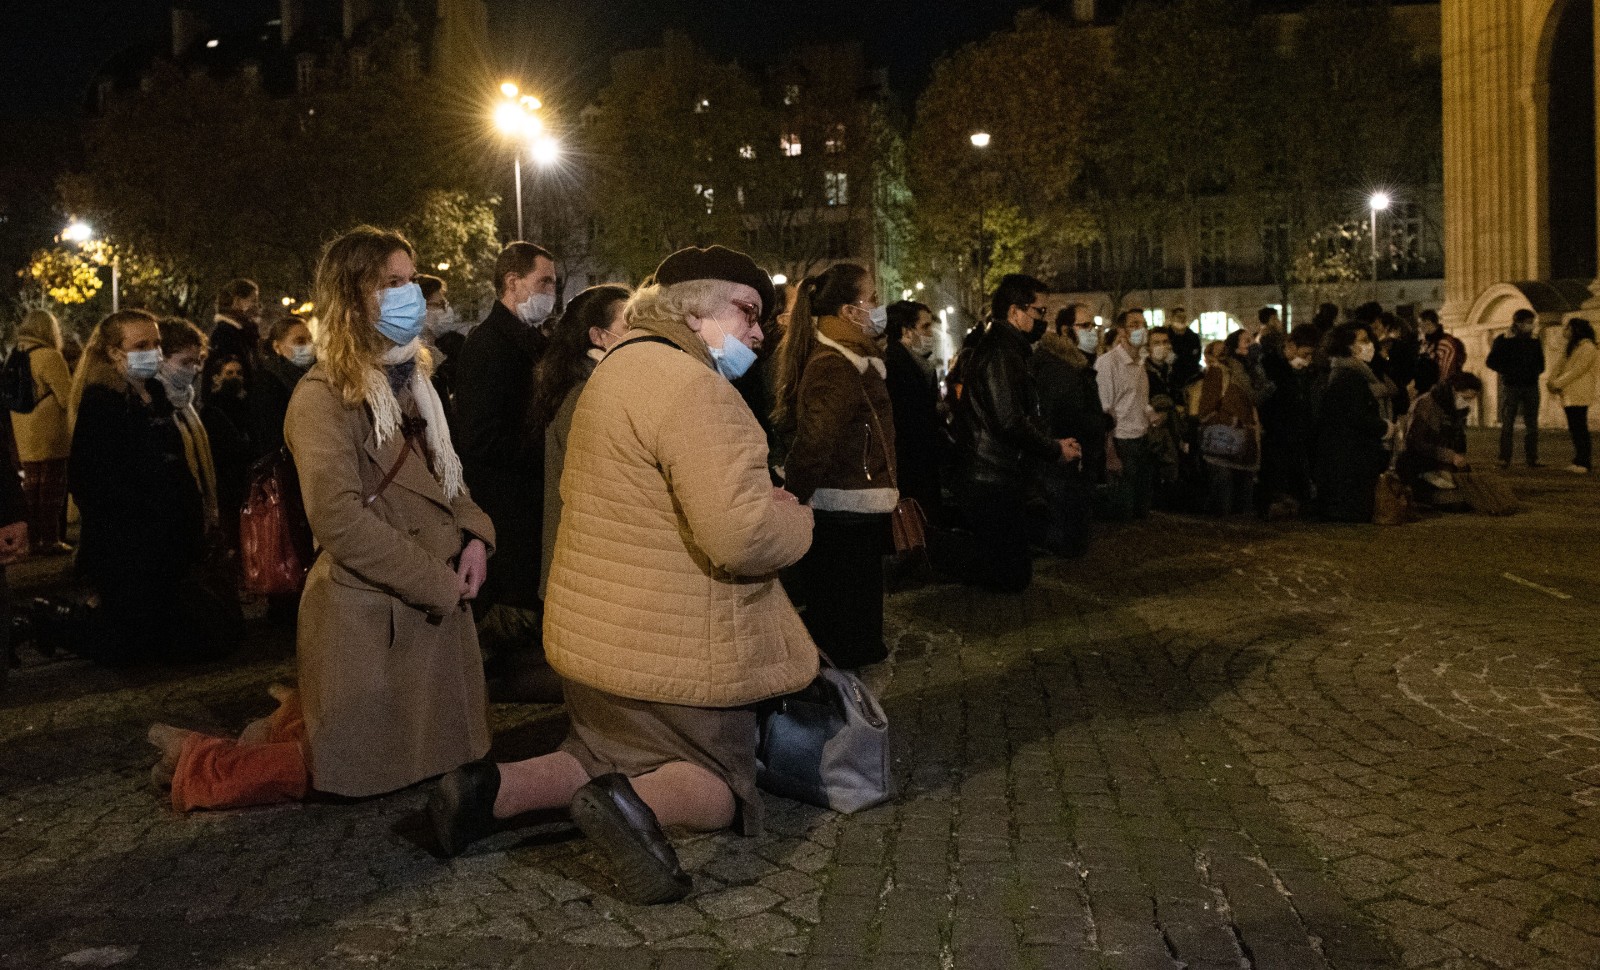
1155 318
747 152
836 188
1215 325
791 95
789 144
834 143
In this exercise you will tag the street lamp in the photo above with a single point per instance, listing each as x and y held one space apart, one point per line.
980 141
515 118
80 233
1377 203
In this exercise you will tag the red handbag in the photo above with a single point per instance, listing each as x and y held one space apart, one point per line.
275 544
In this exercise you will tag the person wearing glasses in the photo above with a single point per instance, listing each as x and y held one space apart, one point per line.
664 615
1000 435
832 396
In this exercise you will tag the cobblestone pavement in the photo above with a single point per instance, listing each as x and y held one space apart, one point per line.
1207 745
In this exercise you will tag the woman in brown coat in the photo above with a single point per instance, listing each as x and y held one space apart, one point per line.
665 616
1230 431
831 392
390 677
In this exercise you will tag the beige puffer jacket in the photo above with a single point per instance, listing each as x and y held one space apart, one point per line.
664 585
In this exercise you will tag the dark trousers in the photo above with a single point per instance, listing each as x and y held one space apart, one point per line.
996 558
1526 401
839 583
1578 427
1135 489
44 485
1069 507
1228 490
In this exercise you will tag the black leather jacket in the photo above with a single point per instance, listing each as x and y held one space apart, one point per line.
997 423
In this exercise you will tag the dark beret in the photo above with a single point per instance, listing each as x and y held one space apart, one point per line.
717 263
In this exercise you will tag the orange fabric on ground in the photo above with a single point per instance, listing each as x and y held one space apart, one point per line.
224 773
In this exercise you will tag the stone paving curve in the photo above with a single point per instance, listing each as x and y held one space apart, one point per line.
1206 745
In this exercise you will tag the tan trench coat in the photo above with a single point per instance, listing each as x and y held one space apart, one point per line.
42 433
390 674
664 586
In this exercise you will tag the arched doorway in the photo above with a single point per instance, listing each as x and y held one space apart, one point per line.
1570 158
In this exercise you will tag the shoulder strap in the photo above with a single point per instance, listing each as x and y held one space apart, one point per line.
649 339
409 428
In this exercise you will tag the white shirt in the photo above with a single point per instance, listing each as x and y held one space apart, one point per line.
1124 391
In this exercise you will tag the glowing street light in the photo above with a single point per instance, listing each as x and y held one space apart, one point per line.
980 139
1377 203
288 301
778 279
443 267
80 233
515 118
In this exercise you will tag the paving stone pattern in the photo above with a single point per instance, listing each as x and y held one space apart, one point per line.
1207 745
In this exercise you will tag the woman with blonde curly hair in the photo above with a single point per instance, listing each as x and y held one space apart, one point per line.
390 677
143 517
42 438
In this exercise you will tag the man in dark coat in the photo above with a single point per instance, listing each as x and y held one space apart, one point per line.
236 334
1286 427
1185 349
920 439
1069 406
1518 357
502 462
999 437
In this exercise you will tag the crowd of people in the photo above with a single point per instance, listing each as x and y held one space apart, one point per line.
662 507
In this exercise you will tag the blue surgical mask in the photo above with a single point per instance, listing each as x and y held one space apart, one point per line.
1088 340
142 364
303 355
1137 337
733 358
877 320
401 310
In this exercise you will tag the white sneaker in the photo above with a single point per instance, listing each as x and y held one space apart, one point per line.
1577 469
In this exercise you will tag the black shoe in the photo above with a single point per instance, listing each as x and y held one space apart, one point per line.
461 805
643 861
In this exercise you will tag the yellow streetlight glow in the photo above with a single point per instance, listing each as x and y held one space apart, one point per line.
980 139
531 103
443 267
546 151
508 89
77 232
288 301
510 118
778 279
919 286
1379 201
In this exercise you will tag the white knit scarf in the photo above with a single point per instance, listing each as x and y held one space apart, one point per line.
386 416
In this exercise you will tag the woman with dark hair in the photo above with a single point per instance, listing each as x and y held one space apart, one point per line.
1436 439
591 324
832 393
1574 382
290 354
1354 423
231 424
920 439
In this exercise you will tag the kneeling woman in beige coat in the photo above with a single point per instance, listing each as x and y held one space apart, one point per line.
390 677
665 617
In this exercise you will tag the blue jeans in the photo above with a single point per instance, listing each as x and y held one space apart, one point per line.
1525 400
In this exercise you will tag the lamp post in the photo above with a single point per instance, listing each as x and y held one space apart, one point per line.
515 118
1377 203
80 233
980 141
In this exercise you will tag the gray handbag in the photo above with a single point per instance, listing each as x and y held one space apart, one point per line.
827 745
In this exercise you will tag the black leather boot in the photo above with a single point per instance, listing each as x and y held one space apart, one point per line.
643 861
461 805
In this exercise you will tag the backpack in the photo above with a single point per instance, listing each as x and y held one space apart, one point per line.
16 382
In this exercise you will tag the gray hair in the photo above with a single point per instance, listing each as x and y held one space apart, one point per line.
678 302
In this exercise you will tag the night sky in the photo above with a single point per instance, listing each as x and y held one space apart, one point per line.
51 49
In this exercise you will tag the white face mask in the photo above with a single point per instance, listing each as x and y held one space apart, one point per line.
1161 354
1299 363
1462 403
439 319
921 344
536 309
1365 353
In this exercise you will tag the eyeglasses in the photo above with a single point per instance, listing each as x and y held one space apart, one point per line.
751 311
1035 310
